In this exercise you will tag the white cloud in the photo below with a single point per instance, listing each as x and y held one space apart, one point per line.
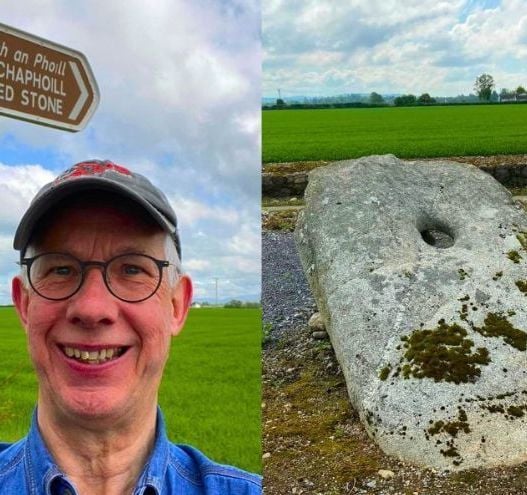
246 241
189 211
18 186
243 264
320 47
197 265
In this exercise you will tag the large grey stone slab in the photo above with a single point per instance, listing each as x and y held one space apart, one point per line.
419 271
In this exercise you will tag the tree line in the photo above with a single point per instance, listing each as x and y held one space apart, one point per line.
233 303
484 87
404 100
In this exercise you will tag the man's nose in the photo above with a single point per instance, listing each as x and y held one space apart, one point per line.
93 305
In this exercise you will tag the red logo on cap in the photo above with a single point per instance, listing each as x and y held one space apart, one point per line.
92 168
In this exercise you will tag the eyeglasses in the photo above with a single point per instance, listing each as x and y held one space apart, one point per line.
129 277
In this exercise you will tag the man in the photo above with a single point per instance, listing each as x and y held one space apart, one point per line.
100 296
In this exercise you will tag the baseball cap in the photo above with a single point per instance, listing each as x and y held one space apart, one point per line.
100 175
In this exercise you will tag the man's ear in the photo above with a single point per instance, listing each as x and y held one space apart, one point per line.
181 299
20 296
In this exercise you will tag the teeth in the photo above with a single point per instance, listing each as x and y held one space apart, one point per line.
93 357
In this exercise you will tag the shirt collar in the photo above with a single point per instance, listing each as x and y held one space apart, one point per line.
44 474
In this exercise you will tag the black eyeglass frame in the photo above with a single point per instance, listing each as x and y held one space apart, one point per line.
103 264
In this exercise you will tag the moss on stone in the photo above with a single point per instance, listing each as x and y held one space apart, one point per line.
436 427
450 452
497 325
522 239
505 395
497 276
452 428
514 256
443 354
383 375
493 408
462 274
463 313
515 411
522 285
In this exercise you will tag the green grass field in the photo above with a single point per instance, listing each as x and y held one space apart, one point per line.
210 393
409 132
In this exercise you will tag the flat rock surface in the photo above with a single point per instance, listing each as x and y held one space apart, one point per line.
419 271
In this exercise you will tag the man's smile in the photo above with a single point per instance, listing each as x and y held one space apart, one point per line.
92 355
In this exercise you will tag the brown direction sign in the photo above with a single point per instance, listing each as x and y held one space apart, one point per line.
44 82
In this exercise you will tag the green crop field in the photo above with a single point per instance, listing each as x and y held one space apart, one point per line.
409 132
210 393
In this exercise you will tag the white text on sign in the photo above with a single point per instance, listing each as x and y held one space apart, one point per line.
44 92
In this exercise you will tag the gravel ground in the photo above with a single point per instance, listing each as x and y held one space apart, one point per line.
286 298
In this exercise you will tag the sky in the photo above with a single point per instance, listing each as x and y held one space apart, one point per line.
325 47
180 86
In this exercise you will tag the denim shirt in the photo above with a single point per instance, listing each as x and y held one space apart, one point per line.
26 467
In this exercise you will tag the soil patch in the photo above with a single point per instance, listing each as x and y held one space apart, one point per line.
284 220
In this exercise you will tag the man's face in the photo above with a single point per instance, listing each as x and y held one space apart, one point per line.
93 319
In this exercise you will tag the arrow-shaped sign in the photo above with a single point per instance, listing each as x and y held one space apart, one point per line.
44 82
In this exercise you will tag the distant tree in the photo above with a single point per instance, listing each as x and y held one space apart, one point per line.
483 86
376 98
280 102
233 303
520 90
425 99
506 94
252 304
404 100
494 96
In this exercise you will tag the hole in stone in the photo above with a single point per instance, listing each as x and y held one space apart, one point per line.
437 238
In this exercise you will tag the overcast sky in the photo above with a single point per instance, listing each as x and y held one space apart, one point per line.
327 47
180 91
